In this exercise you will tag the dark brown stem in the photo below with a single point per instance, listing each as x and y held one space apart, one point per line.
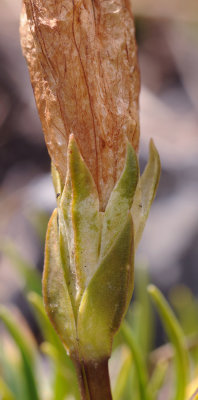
93 380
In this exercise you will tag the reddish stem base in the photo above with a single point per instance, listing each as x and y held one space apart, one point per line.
94 380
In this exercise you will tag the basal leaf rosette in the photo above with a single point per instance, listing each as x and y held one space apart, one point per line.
89 258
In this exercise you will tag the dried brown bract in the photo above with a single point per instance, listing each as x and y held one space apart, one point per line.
82 60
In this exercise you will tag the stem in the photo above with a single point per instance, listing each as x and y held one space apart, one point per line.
93 380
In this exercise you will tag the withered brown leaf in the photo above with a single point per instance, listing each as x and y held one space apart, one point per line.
82 60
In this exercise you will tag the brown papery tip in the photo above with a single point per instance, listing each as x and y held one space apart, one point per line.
82 59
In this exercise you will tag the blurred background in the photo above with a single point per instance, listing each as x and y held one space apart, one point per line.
167 35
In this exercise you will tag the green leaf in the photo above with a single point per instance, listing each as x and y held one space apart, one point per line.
138 359
157 379
144 325
80 208
145 192
122 378
106 298
5 393
186 307
25 350
12 370
120 202
64 382
27 271
176 337
56 296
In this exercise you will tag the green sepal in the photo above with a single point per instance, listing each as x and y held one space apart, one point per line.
106 298
56 179
64 382
145 192
46 327
56 296
120 202
80 210
54 348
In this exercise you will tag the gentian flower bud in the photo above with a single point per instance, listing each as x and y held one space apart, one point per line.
82 59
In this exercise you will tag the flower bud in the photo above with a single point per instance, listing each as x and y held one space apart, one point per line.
82 60
89 259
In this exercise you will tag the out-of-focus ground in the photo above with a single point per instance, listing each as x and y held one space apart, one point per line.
167 33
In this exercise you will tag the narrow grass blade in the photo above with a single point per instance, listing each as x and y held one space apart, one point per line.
140 367
5 393
12 371
176 337
122 378
65 381
186 307
144 324
25 350
157 379
29 274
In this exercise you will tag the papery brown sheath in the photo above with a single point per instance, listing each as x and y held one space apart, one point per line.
82 60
